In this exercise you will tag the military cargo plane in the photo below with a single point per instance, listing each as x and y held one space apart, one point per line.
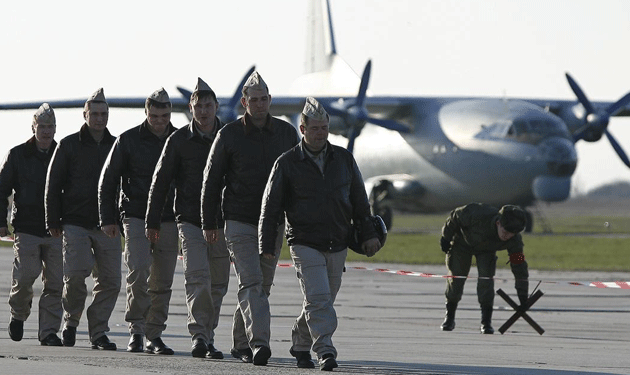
431 154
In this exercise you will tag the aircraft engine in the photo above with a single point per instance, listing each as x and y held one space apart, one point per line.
596 122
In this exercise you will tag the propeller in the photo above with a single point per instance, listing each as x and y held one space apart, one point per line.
226 112
596 121
355 115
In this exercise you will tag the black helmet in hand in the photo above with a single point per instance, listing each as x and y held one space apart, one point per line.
356 239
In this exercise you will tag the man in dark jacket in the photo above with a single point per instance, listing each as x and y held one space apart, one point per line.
321 190
206 266
23 174
241 158
481 230
132 160
71 201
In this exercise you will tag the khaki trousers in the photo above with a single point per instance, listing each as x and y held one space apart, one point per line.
85 252
252 319
149 277
34 256
206 275
320 275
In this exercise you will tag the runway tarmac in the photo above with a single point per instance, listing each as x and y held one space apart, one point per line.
388 324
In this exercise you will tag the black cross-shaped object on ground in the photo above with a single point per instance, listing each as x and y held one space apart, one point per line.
521 312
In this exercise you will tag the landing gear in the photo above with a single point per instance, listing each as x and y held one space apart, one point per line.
378 202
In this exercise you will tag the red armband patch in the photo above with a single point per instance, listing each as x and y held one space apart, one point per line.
517 258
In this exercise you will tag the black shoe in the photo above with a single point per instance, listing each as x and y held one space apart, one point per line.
157 346
69 336
304 359
51 340
103 343
245 355
487 329
261 355
16 329
199 348
448 324
135 343
327 362
213 353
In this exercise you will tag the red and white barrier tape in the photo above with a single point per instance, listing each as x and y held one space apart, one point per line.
595 284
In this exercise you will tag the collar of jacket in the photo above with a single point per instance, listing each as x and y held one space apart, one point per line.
86 137
146 133
330 151
31 147
192 132
249 126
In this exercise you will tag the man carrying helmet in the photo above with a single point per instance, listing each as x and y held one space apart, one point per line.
320 188
481 230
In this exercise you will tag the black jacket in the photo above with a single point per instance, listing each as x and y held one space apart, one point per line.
130 164
182 162
24 172
72 180
243 155
319 206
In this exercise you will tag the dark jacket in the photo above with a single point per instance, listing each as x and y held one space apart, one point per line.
473 229
24 172
72 180
319 206
182 162
132 160
243 155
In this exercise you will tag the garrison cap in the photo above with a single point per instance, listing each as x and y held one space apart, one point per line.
313 109
513 218
98 96
45 115
160 96
255 81
202 85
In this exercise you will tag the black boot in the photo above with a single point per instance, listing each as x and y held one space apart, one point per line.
449 319
486 320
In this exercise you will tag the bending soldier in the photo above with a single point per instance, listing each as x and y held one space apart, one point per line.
481 230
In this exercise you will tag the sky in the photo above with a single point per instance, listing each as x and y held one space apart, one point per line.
67 49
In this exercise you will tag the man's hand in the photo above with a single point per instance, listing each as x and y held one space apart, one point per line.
211 235
4 231
55 232
445 245
371 246
110 230
153 235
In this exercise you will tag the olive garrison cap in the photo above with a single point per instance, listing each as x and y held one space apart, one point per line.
313 109
45 115
255 81
98 96
160 96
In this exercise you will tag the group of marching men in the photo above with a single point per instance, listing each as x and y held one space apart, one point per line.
218 193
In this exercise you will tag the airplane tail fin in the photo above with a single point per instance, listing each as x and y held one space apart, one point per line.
320 44
326 74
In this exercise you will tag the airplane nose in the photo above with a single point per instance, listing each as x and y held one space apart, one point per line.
560 156
561 159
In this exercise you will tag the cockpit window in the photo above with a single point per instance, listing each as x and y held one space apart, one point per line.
528 130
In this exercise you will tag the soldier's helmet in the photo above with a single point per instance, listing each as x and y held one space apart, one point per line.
356 239
513 218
